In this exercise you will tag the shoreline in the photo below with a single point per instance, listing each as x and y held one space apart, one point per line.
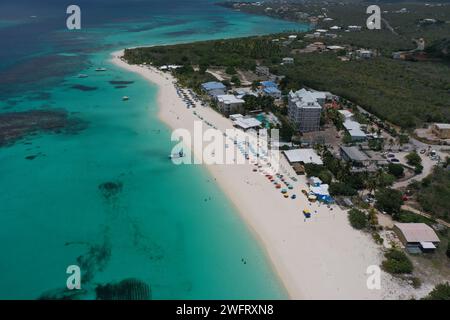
319 258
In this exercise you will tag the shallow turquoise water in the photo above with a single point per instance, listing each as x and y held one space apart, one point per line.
170 226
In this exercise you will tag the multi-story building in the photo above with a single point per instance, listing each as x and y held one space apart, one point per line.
229 103
305 108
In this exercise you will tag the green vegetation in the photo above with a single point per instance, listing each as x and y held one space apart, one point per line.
397 262
390 89
342 189
377 238
358 219
405 216
433 193
389 200
231 54
413 159
255 103
396 170
440 292
440 49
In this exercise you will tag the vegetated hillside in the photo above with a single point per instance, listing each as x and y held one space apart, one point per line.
440 49
405 93
433 193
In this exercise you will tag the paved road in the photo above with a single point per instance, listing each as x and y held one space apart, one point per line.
427 164
388 25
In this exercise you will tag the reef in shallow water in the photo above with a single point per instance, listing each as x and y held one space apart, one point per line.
83 87
16 125
94 260
128 289
63 294
110 189
121 82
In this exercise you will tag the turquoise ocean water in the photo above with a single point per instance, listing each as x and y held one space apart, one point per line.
169 226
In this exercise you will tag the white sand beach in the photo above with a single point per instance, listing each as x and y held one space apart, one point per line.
318 258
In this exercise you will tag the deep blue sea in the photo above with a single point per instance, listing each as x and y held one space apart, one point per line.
168 226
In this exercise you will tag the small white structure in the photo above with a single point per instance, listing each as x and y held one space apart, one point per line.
288 60
354 130
354 28
247 123
347 114
335 28
236 116
364 53
292 37
335 48
303 156
169 67
321 190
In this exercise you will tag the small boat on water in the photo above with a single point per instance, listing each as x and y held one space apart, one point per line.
125 98
100 69
82 75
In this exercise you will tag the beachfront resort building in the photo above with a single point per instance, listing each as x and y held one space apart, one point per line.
270 88
303 156
228 103
246 123
441 130
417 236
214 88
305 108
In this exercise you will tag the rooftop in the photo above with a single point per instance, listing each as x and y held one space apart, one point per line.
346 113
269 84
228 99
307 99
216 92
442 125
353 128
417 232
213 85
303 155
247 123
354 153
271 90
